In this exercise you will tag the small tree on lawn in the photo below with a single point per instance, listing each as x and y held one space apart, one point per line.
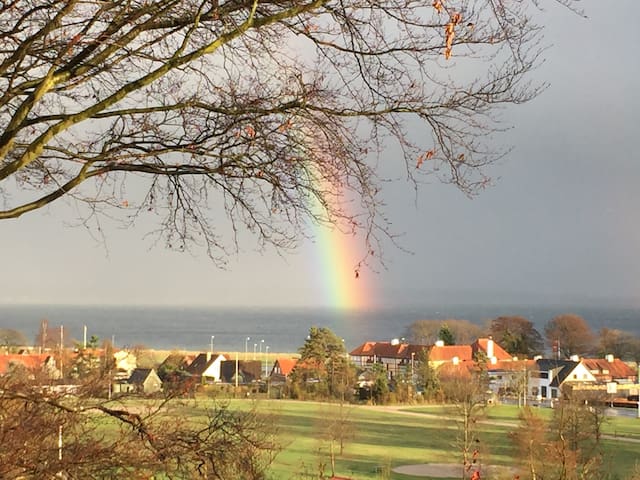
465 391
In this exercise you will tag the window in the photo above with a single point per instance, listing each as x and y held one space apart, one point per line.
554 393
544 392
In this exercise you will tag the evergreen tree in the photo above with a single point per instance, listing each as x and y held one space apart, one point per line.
446 335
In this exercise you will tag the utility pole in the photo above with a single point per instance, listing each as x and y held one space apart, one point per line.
61 349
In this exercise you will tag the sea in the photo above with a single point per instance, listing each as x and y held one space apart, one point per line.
254 329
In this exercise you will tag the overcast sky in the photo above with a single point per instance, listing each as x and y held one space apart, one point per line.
560 225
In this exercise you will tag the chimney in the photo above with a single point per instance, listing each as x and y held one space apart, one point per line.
490 347
609 358
575 358
439 343
455 360
208 356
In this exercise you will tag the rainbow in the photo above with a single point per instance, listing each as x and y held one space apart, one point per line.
344 289
344 285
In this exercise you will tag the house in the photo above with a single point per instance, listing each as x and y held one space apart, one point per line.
549 376
125 363
509 377
174 367
32 364
281 370
397 357
206 366
141 380
145 380
394 356
440 353
244 371
490 349
610 369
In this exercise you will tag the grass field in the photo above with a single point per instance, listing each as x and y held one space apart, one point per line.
385 438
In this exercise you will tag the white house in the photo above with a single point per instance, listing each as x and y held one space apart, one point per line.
207 366
549 375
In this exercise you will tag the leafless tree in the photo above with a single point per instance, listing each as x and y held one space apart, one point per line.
210 115
52 433
567 447
465 390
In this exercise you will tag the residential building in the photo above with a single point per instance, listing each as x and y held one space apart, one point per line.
207 366
549 375
31 363
141 381
395 357
610 369
281 370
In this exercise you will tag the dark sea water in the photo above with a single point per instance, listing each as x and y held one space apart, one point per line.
281 329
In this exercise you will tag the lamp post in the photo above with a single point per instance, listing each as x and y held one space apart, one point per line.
246 347
255 347
266 360
413 357
212 337
261 343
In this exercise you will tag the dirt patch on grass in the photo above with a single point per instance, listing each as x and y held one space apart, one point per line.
444 470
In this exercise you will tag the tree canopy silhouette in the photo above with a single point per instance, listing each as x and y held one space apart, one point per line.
269 115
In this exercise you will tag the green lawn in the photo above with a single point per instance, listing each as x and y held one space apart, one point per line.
386 439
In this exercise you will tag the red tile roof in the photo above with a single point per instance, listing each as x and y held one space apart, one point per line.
482 344
31 362
286 365
446 353
511 365
615 370
386 350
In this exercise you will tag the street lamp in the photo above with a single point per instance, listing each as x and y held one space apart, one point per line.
246 347
255 346
212 337
266 360
261 342
413 357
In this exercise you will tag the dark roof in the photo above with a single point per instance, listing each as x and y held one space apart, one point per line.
176 360
561 368
139 375
201 363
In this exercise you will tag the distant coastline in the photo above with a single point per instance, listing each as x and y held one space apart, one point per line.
282 329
